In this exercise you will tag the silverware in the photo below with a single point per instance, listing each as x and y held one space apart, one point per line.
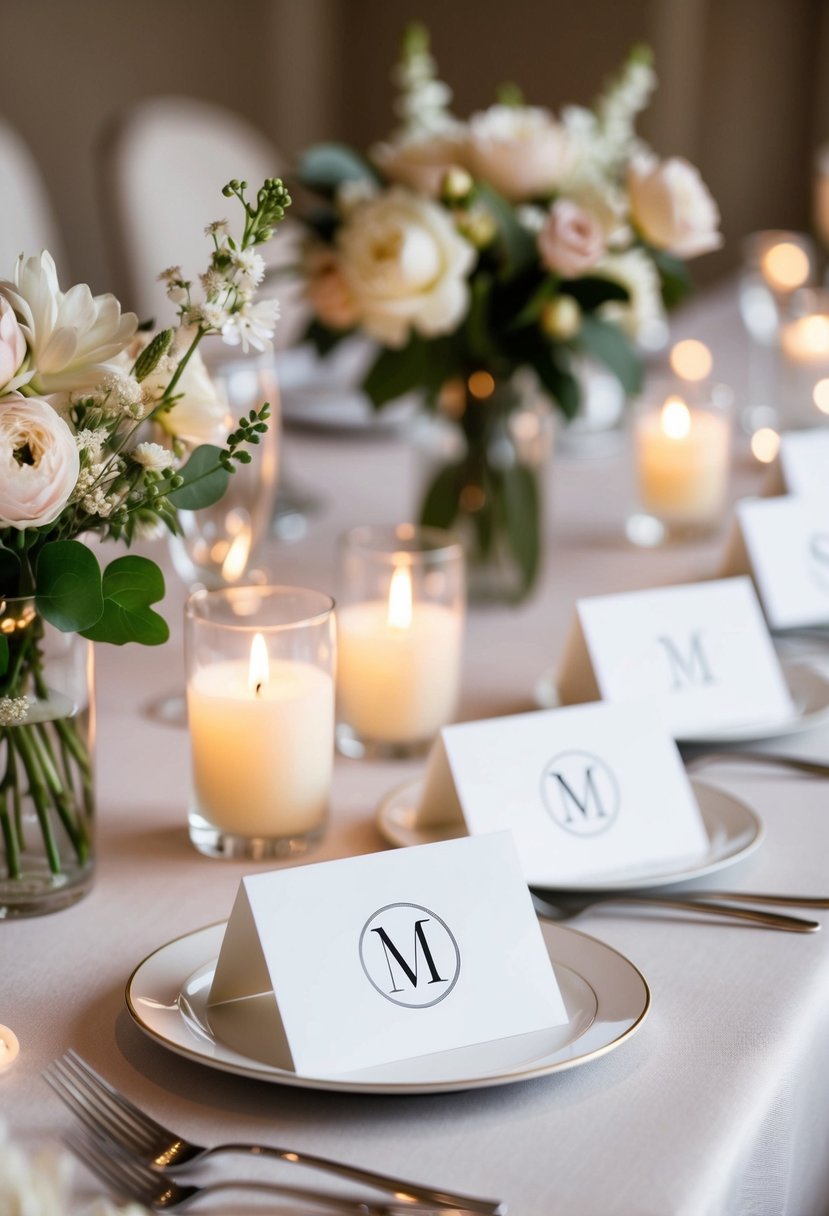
695 758
135 1182
112 1118
556 905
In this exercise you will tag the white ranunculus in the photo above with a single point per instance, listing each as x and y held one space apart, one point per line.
73 337
39 462
405 267
200 415
572 240
421 162
522 151
672 207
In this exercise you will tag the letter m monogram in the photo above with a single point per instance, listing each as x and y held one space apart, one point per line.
690 667
582 804
420 944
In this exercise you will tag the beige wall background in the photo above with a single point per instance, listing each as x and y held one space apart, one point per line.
744 90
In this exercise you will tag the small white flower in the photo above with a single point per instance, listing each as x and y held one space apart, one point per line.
214 316
218 228
250 266
252 325
99 503
173 274
152 456
92 442
177 293
13 711
213 282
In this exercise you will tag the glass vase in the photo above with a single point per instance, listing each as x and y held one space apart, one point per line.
46 763
485 453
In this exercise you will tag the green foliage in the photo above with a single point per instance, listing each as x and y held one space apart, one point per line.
205 480
674 277
606 342
152 354
69 593
324 340
9 572
130 585
559 382
441 502
522 511
325 167
420 364
593 290
4 654
515 243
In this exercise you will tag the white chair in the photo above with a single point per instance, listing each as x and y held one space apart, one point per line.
27 222
163 167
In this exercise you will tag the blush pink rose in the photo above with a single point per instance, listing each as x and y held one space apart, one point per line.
39 462
572 240
12 346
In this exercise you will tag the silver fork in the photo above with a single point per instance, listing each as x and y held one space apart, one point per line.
132 1181
112 1118
557 905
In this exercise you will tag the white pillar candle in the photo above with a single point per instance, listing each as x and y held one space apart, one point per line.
399 665
683 460
262 744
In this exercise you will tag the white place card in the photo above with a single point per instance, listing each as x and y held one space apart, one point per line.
784 543
802 465
700 654
339 966
588 792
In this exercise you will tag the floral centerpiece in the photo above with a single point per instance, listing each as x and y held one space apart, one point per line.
472 250
106 432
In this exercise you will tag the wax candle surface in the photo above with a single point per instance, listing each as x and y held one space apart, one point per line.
398 684
262 762
683 464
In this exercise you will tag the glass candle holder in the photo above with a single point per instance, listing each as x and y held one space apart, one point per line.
804 345
260 706
681 441
400 627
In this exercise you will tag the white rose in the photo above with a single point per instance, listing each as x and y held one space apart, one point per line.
572 240
405 267
39 462
519 150
199 415
672 207
421 162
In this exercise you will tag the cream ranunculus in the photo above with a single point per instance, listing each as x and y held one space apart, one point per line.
12 350
200 415
405 267
421 162
39 462
522 151
572 240
672 207
73 337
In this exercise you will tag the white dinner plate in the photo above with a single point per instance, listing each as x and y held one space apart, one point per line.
809 691
605 996
734 831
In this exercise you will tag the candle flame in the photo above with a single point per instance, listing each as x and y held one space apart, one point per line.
691 360
237 553
400 599
259 669
785 266
675 418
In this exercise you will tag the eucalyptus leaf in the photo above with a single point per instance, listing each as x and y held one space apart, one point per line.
517 244
610 346
594 290
559 383
441 503
130 585
521 507
205 480
324 340
326 166
674 277
69 594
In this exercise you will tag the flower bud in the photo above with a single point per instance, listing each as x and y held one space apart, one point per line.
477 225
457 185
561 318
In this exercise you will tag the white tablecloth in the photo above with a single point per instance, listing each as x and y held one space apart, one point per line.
717 1106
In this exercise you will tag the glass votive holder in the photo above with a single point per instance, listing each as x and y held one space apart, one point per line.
681 451
400 625
260 705
804 372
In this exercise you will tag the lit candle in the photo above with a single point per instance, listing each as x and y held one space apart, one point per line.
262 743
806 339
785 266
9 1047
399 664
683 459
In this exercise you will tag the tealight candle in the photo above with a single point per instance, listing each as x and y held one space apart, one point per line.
400 636
682 453
260 704
9 1047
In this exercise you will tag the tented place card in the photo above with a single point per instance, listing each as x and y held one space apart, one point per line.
588 791
784 543
699 653
339 966
802 465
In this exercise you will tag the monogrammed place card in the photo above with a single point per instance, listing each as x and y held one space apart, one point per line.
338 966
588 792
700 653
784 542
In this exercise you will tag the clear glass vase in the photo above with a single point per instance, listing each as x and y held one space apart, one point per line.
485 455
47 728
